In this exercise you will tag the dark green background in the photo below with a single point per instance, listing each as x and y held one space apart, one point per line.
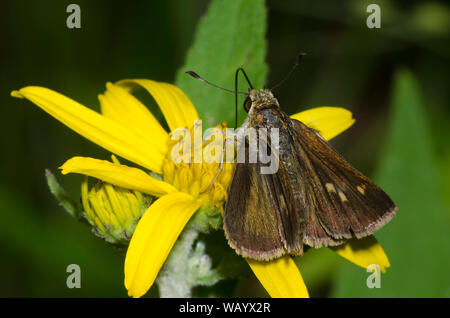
395 80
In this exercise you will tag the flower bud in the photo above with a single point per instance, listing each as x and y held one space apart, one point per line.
113 211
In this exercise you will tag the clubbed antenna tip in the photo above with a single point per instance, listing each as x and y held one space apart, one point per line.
194 75
297 62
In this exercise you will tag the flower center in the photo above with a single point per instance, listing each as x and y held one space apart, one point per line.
208 178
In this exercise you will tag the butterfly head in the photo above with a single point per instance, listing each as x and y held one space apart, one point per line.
258 99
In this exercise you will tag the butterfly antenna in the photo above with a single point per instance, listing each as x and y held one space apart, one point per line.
240 69
297 62
195 75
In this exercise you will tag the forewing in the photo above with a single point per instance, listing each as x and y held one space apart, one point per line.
260 219
340 202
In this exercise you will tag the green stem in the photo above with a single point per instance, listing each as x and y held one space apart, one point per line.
173 280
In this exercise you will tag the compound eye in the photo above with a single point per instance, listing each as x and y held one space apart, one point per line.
247 104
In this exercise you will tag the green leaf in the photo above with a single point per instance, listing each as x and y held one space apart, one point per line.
61 196
37 249
416 240
230 35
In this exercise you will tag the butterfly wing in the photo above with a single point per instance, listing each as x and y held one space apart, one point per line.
260 219
315 197
339 201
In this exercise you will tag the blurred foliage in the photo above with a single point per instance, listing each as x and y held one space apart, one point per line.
416 239
401 123
219 48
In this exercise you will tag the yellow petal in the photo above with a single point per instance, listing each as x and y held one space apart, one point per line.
117 174
328 121
95 127
280 277
153 239
364 252
119 105
175 105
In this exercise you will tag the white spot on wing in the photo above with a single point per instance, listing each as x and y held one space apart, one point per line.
342 196
361 189
330 187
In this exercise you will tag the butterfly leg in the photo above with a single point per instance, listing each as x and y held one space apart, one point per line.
230 139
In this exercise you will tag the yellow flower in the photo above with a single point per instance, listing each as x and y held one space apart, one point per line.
128 129
112 211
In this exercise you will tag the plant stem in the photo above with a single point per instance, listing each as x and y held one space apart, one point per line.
173 280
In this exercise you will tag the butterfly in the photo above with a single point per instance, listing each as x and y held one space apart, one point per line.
315 198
